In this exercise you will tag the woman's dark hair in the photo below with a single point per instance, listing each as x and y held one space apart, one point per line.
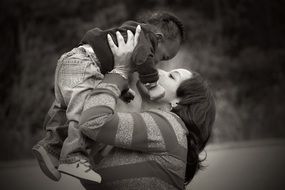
169 24
197 110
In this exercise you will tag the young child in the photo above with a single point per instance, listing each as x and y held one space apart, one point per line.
81 69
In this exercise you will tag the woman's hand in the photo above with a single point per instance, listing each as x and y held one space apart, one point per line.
122 53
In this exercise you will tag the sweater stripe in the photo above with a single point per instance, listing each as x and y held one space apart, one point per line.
139 170
179 131
102 99
125 130
167 132
139 133
154 136
94 112
107 134
171 141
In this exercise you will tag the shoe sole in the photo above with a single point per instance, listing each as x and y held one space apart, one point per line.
45 163
78 177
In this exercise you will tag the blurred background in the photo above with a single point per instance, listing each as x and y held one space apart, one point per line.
238 45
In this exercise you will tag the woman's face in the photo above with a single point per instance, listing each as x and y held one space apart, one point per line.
170 81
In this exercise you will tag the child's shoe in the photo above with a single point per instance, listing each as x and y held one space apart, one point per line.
80 169
48 163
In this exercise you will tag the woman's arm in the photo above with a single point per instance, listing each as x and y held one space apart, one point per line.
147 131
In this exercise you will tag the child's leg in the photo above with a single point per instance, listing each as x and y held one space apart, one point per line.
77 77
47 151
56 127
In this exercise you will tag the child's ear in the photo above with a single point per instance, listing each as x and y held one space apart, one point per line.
159 36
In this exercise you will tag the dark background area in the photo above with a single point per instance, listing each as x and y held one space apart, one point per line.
238 45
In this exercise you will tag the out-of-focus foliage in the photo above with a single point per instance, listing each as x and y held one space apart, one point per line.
237 45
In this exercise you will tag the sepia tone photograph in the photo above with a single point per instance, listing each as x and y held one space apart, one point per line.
142 95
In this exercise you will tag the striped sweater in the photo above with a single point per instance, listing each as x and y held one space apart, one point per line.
150 147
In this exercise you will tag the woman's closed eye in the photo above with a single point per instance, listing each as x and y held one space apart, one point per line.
175 75
171 76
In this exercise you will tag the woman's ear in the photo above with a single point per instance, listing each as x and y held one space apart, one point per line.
174 102
159 36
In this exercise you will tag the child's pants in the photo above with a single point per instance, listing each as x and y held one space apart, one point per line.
77 73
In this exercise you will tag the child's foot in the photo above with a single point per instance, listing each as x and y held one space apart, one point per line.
156 92
48 163
80 169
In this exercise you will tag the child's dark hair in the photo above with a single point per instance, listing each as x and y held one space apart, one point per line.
167 22
197 110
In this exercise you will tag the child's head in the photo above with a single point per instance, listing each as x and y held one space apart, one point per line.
169 30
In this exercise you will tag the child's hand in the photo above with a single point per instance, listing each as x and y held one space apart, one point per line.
122 53
128 95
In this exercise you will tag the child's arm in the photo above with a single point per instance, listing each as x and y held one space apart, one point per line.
143 59
145 65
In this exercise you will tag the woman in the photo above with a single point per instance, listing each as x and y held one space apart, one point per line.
159 147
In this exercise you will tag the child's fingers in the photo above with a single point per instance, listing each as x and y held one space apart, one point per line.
120 39
137 34
130 36
111 43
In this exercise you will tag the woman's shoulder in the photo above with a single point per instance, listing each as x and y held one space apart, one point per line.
175 136
171 118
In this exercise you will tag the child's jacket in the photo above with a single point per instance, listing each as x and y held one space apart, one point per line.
143 54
